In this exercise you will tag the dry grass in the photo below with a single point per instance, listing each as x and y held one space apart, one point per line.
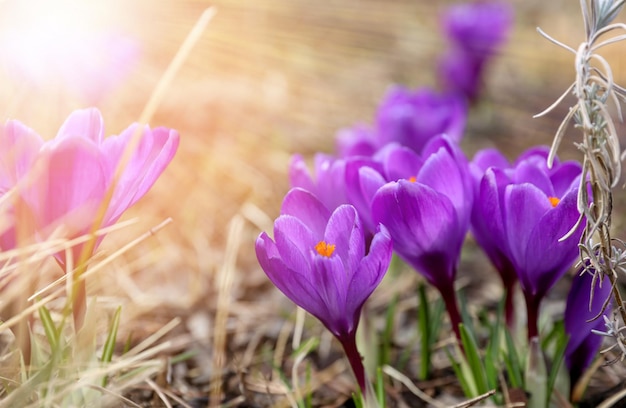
266 79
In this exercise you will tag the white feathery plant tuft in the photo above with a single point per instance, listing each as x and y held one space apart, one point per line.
594 89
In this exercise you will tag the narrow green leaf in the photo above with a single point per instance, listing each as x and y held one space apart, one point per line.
384 357
512 362
380 387
49 328
460 375
559 355
436 315
308 399
109 344
424 328
465 316
472 354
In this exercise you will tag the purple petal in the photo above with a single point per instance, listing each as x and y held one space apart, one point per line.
308 208
371 270
565 177
294 284
299 175
345 231
420 221
526 172
547 259
524 205
295 242
363 179
442 173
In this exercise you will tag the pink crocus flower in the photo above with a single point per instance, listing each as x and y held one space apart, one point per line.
66 179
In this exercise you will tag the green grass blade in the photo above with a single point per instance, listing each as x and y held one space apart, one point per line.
559 355
460 375
474 360
424 328
109 344
385 349
49 328
512 362
380 387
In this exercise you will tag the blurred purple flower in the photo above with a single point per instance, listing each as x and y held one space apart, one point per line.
476 31
584 345
427 214
478 28
328 181
413 118
318 261
520 214
358 140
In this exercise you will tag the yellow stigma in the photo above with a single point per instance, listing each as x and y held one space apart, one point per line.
325 249
412 179
554 201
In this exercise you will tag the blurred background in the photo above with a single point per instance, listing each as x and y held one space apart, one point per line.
266 79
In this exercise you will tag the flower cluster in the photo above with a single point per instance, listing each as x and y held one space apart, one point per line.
406 182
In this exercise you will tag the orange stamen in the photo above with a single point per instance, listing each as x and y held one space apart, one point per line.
554 201
412 179
325 249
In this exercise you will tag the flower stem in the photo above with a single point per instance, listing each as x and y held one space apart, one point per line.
356 362
449 298
532 313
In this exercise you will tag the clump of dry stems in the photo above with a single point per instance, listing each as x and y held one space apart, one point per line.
594 89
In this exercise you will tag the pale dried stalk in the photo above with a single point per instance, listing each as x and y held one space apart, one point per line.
594 88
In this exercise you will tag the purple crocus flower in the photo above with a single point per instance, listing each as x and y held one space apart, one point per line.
318 260
427 215
478 28
413 118
476 31
364 176
327 183
582 316
521 214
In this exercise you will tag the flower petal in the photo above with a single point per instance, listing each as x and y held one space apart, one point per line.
344 230
305 206
153 153
420 221
85 123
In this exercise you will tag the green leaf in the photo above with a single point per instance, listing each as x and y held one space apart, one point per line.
512 362
474 360
109 344
425 332
380 387
384 357
460 375
49 328
559 355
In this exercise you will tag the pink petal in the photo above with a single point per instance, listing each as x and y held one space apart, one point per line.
20 146
154 152
84 123
68 186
